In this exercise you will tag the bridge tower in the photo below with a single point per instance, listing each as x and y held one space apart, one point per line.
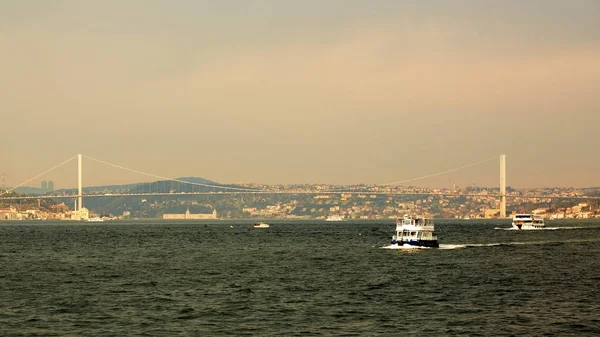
3 181
503 186
79 184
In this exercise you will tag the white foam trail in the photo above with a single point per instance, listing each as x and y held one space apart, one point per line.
451 246
468 245
395 246
498 244
447 246
539 229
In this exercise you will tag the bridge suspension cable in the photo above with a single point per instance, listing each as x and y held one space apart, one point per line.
422 177
441 173
39 175
170 179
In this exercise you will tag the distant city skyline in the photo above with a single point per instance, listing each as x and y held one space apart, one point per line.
275 92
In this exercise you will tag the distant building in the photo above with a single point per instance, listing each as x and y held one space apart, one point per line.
50 185
82 214
189 216
8 214
60 208
44 185
491 213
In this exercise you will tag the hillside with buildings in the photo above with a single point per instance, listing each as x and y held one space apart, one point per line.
372 202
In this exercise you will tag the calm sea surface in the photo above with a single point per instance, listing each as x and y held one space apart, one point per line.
296 278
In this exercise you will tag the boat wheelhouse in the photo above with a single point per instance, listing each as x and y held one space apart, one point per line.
416 232
528 221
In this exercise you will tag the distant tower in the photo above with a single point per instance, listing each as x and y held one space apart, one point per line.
44 185
3 181
79 183
50 185
502 186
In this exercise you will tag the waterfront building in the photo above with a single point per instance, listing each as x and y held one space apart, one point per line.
81 214
189 216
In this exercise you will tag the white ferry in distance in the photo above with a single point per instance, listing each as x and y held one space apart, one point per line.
95 219
415 231
334 218
528 221
261 225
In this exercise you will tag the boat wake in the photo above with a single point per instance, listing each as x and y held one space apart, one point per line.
538 229
404 247
467 245
496 244
458 246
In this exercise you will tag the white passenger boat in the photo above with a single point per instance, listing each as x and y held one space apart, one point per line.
415 232
528 221
334 218
95 219
261 225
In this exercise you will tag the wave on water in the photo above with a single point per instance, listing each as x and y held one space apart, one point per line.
407 247
540 229
449 246
476 245
467 245
452 246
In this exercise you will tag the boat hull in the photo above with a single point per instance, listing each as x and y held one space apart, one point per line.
418 243
527 226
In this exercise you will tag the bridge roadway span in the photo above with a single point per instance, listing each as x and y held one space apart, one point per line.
158 194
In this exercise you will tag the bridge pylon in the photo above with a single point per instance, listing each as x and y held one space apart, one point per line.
79 183
503 186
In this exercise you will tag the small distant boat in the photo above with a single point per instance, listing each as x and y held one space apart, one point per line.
334 218
95 219
528 221
416 232
261 225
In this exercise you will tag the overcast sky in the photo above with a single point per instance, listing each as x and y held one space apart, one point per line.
312 91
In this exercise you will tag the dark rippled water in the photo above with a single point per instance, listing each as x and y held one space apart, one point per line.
208 279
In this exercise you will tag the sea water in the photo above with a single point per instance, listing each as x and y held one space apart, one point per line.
225 278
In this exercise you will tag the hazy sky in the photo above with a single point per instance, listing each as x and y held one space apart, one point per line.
334 91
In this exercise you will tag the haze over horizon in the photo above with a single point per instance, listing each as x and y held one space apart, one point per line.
337 92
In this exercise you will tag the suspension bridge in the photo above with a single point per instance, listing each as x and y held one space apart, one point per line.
221 189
